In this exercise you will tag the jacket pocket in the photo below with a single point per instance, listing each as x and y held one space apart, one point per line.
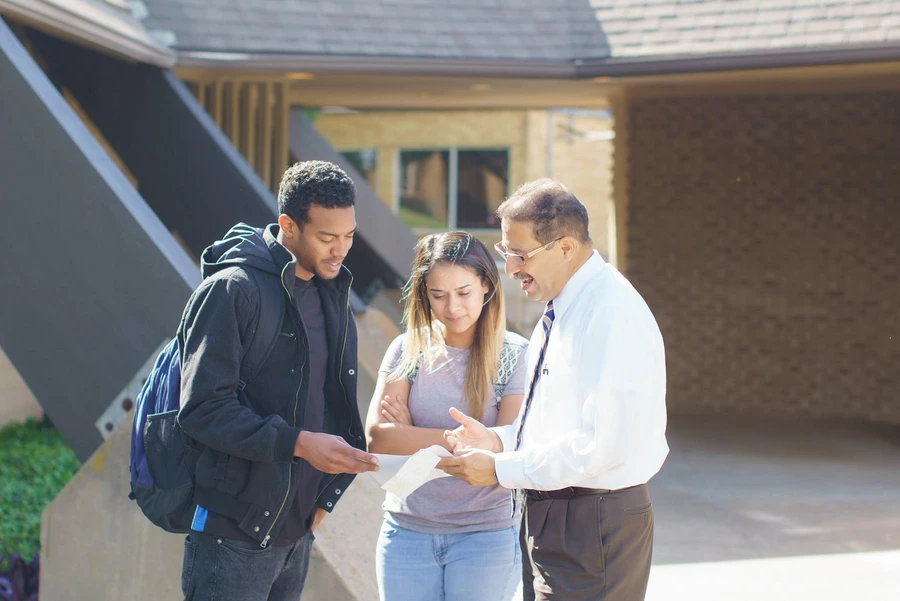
222 472
232 474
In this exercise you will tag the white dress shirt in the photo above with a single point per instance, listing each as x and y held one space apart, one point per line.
598 416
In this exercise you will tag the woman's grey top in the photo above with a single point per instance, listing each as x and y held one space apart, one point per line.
449 505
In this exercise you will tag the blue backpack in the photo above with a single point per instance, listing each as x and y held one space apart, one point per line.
163 456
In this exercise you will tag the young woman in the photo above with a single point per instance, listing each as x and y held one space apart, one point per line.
448 540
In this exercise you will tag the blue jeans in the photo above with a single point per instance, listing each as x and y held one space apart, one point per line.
475 566
219 569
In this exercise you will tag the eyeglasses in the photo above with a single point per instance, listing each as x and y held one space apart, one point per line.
520 259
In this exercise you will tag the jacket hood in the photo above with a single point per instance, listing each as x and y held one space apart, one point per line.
242 245
258 248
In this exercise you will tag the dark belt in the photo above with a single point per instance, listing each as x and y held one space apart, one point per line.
565 493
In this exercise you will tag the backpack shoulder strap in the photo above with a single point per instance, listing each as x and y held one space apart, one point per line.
269 320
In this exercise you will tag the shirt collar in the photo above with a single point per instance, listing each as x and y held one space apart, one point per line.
591 268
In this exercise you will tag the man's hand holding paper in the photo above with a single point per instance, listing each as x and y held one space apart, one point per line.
402 474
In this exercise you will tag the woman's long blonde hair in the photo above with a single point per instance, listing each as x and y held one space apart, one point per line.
425 342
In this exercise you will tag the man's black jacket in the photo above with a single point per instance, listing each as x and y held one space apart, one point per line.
247 470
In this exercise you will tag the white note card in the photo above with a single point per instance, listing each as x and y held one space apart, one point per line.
402 474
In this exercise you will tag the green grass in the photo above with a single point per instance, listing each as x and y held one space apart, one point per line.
35 464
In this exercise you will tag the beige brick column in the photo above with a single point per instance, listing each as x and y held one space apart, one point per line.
618 209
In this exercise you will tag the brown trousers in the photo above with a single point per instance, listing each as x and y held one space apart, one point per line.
592 547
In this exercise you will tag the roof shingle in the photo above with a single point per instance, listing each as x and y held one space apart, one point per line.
542 30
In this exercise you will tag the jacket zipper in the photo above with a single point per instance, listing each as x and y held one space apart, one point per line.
343 348
287 492
340 377
324 488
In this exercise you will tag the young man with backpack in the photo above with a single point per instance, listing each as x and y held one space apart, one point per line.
276 450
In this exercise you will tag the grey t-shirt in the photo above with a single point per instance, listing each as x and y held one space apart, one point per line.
449 505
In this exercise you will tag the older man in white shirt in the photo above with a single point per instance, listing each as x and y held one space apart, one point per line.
591 431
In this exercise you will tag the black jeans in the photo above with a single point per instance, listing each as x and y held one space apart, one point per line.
220 569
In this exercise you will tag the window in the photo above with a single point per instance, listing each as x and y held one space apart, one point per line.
424 190
364 161
483 183
447 189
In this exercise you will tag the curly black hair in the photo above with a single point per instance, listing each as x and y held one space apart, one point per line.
314 182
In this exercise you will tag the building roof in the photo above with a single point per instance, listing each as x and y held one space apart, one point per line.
569 33
109 24
552 38
646 28
465 29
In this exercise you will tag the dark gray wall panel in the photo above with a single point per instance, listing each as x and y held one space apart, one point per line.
186 168
191 174
91 281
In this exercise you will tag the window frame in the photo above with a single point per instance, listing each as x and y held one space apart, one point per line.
452 183
373 150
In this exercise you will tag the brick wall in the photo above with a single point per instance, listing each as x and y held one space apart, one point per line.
391 131
582 163
764 232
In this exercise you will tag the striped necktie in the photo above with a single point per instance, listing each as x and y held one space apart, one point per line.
518 496
547 323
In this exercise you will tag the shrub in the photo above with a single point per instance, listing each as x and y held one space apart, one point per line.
35 463
20 582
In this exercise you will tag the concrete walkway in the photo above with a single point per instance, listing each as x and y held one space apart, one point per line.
772 510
